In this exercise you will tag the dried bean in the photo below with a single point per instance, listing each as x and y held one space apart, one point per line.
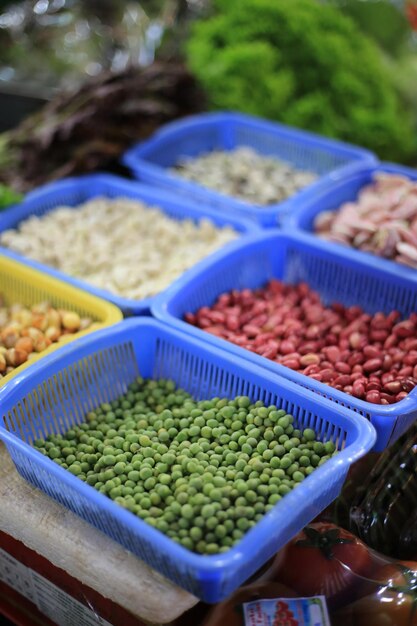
382 221
339 348
245 174
117 244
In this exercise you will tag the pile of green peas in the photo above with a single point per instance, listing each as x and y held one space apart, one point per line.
201 472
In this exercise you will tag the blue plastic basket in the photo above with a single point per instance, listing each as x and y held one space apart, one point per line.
198 134
74 191
337 193
64 387
337 273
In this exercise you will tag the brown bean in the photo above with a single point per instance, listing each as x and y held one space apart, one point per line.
309 359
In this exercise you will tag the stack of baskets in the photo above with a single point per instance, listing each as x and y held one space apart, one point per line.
57 389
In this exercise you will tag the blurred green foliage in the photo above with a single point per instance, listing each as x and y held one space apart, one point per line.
383 20
8 196
305 63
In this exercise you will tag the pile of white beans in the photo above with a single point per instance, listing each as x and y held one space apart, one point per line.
121 245
246 175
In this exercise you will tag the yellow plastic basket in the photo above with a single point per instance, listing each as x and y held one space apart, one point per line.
22 284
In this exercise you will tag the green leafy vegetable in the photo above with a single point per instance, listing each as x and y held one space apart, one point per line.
8 196
306 64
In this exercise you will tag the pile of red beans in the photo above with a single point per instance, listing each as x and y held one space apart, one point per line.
371 357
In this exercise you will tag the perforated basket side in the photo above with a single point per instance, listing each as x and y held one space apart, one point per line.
74 191
98 368
20 283
337 192
149 161
335 272
317 157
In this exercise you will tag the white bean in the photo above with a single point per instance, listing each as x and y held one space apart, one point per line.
120 245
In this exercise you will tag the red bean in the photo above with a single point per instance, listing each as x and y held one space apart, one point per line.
373 386
390 341
410 358
232 322
293 364
358 390
408 385
333 354
343 368
343 380
287 347
405 371
404 329
311 369
328 375
386 362
369 356
373 396
379 335
371 352
269 352
318 377
386 378
400 396
372 365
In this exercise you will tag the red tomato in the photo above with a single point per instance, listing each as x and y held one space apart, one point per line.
392 603
323 560
230 612
411 12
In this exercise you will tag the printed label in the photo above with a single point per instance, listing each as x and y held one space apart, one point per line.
287 612
56 604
